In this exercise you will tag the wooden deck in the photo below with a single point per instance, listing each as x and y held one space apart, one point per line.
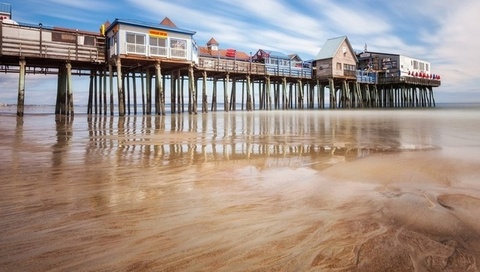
49 46
251 68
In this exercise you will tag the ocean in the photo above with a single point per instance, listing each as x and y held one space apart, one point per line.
303 190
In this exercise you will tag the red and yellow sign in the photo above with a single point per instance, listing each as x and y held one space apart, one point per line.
157 33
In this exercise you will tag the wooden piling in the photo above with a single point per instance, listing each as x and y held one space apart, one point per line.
104 78
90 94
21 88
192 104
95 92
249 105
233 95
148 91
134 83
121 105
226 99
159 95
142 88
204 92
214 95
127 98
110 74
268 93
69 102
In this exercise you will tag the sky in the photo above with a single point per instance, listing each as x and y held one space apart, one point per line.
444 33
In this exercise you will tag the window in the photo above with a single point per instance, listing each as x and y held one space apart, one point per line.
415 64
178 48
136 43
89 40
349 67
158 46
339 66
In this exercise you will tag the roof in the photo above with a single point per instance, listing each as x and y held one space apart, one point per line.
222 53
139 23
212 41
295 57
331 47
167 22
275 54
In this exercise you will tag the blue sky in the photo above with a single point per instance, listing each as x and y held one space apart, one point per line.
445 33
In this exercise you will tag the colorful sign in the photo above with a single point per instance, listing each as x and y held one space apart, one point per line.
158 33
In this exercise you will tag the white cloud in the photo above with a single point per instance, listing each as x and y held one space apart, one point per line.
457 44
351 19
444 33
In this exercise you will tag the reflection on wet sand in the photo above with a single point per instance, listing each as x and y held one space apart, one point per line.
195 139
296 191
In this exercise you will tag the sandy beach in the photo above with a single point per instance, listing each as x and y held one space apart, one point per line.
346 190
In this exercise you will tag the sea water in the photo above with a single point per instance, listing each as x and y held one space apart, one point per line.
313 190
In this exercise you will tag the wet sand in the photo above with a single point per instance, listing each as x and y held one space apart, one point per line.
391 190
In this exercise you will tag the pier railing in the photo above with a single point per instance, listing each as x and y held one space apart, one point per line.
366 77
21 40
409 80
246 67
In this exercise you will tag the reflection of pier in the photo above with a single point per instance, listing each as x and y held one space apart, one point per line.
148 60
195 139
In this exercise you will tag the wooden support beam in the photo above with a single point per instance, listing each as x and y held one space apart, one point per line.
159 95
148 91
95 93
110 72
300 94
70 109
233 95
243 93
204 92
100 91
284 91
134 85
214 95
249 94
320 95
268 93
90 94
173 92
192 105
333 99
104 78
121 104
128 95
226 99
21 88
142 87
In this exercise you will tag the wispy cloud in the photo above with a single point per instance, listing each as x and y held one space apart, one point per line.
441 32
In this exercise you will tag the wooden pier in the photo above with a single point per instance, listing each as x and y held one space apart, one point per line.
144 60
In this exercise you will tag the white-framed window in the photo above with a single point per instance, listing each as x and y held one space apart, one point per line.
136 43
158 46
178 48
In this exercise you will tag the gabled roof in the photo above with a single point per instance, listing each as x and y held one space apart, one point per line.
295 57
274 54
139 23
212 41
167 22
331 47
204 51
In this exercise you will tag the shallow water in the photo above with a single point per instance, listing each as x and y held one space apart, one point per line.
374 190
